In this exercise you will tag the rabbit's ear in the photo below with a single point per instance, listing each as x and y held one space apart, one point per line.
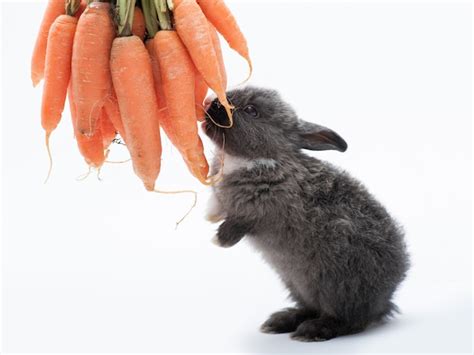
316 137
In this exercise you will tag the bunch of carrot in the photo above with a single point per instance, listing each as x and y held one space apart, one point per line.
131 68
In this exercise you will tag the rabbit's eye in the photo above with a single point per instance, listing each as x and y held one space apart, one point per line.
251 110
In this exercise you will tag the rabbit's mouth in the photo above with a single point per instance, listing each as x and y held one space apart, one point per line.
216 116
216 113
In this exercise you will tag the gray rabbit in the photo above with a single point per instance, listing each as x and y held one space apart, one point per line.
335 248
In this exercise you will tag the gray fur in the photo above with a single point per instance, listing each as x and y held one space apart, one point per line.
335 248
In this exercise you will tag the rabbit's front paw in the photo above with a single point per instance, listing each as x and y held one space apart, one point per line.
214 218
215 212
230 232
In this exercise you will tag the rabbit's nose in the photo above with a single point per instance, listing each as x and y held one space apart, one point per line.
209 101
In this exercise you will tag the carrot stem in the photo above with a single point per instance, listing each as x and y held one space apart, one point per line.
125 12
149 12
72 6
163 14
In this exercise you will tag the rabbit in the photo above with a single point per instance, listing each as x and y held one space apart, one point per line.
336 249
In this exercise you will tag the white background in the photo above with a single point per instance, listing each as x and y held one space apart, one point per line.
98 266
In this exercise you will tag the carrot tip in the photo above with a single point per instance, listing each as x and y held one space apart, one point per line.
250 72
149 187
35 80
229 114
48 134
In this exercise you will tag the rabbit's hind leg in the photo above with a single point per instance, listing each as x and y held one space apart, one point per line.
286 320
323 328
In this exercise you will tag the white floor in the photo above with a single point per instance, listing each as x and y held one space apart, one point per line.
95 266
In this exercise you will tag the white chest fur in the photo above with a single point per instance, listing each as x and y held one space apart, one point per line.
232 163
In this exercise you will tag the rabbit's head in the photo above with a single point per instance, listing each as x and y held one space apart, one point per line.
265 126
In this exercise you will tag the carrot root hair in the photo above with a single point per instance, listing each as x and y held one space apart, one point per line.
180 192
48 149
118 161
85 175
250 73
99 169
228 109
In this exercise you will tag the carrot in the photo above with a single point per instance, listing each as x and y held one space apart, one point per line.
221 17
150 46
217 47
91 148
193 29
133 82
177 75
57 71
54 9
91 81
107 128
160 96
113 113
201 86
200 93
138 27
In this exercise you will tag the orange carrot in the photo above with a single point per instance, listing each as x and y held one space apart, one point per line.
217 47
201 86
160 96
221 17
91 80
200 93
57 71
138 27
107 128
53 10
113 113
193 29
177 75
133 82
91 148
